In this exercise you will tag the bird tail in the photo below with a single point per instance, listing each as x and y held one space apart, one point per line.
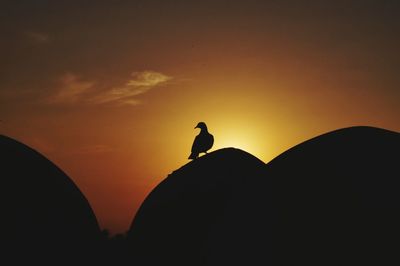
193 156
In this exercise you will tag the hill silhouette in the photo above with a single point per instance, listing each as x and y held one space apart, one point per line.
44 214
179 221
337 199
332 200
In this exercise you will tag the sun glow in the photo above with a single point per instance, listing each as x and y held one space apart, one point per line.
245 140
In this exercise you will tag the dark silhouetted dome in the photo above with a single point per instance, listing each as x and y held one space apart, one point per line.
43 211
180 222
337 199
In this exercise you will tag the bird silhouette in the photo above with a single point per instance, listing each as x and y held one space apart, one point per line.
203 142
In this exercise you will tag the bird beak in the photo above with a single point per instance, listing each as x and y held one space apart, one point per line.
196 127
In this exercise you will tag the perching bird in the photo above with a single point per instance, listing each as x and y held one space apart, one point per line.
202 143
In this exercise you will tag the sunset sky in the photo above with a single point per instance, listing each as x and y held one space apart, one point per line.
111 90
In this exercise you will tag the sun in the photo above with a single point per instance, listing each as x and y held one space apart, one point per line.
243 139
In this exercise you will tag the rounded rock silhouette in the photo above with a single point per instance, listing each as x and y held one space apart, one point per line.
188 215
43 211
336 199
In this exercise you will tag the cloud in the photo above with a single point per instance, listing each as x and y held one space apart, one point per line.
147 79
139 83
72 90
37 37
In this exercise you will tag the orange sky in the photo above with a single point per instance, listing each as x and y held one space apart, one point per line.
111 92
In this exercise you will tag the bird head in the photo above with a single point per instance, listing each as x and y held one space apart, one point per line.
201 125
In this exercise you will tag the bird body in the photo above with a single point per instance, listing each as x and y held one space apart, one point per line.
202 143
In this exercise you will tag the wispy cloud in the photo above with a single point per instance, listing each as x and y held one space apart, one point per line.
37 37
72 90
139 83
147 79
